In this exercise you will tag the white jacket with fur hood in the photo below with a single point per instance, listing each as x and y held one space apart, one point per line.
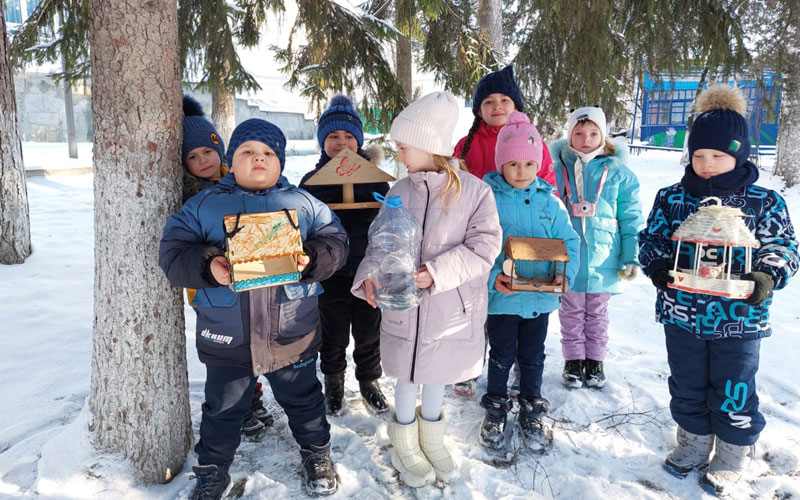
442 340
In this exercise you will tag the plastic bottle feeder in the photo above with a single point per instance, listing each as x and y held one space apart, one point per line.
720 226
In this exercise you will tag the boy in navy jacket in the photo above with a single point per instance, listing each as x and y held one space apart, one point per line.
713 342
271 331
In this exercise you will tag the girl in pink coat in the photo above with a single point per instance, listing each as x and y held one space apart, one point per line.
441 341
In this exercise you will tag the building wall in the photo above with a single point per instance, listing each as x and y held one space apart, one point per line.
42 115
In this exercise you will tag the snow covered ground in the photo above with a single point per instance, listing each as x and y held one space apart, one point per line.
608 444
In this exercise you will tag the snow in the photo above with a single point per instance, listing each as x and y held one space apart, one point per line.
608 444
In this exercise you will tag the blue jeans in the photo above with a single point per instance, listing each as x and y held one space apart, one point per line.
514 338
229 394
713 387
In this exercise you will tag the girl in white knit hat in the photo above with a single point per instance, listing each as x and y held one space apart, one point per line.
441 341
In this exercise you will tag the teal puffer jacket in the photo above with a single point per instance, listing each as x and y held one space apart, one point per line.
609 238
533 212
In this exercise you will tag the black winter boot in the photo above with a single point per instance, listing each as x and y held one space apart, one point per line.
258 418
572 376
536 435
373 398
334 393
212 480
493 426
594 374
321 479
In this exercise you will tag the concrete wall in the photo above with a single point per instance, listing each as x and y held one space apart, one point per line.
40 107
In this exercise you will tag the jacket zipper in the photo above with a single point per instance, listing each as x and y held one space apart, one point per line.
421 245
463 306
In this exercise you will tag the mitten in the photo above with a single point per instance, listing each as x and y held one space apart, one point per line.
660 276
629 272
762 289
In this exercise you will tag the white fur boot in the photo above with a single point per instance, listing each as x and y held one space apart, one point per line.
406 455
431 441
726 468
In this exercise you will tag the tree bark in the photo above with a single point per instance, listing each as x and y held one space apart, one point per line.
402 62
139 388
15 225
490 19
787 162
223 111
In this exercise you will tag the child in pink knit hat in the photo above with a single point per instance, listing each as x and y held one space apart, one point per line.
517 321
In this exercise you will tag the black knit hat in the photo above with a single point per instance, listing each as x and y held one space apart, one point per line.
340 115
720 123
499 82
198 131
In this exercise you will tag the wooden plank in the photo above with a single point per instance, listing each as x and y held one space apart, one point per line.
348 167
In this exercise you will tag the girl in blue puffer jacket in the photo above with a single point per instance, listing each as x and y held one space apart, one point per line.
602 197
517 321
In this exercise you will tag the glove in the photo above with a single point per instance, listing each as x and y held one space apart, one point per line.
629 272
762 289
660 276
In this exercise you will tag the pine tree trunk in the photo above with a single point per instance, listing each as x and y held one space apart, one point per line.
15 226
402 62
787 163
139 388
490 19
223 112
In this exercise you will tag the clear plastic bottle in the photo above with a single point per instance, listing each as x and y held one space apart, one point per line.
394 243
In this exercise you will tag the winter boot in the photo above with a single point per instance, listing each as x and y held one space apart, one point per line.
373 397
212 480
536 434
595 377
513 388
321 478
727 466
573 373
334 393
407 457
466 388
260 412
691 453
431 442
253 429
494 422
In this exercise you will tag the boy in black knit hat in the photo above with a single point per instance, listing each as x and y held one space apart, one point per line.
266 331
713 342
340 127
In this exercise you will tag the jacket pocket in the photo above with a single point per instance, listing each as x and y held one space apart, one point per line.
401 324
220 296
297 317
448 315
219 328
603 240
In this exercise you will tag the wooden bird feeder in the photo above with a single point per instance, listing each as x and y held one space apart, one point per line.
535 249
262 249
718 226
345 169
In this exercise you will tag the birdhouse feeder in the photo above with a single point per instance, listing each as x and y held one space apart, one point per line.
262 249
535 249
346 169
717 226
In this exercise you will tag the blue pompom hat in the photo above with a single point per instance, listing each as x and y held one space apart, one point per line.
498 82
198 131
340 115
721 124
259 130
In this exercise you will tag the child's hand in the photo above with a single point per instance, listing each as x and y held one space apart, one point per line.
302 262
369 291
423 278
500 284
220 270
629 272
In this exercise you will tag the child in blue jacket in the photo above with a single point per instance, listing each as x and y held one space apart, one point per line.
602 196
713 342
517 321
271 331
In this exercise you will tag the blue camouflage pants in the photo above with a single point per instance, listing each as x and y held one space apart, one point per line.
713 387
